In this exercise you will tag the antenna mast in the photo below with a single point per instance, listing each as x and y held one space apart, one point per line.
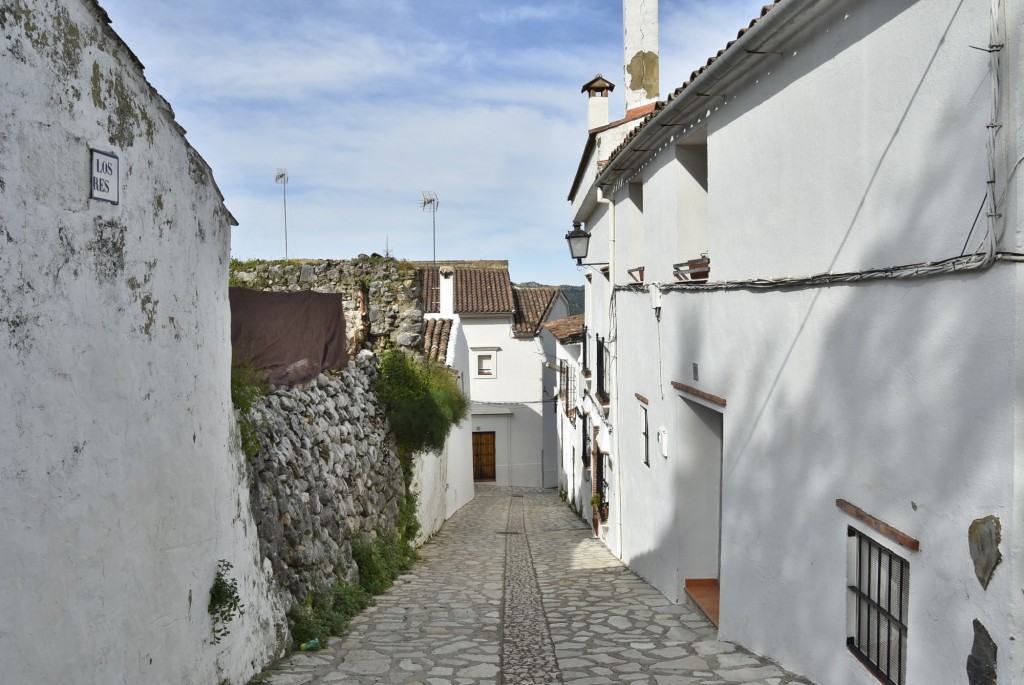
429 204
282 177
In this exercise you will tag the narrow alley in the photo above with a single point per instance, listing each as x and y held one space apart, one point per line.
514 589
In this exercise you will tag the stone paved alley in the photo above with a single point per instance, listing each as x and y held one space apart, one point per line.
514 589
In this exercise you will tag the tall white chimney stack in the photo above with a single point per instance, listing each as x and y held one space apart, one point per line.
446 295
640 34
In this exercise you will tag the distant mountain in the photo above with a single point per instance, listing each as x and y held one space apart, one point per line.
573 294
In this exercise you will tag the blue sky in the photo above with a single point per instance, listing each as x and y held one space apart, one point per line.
366 104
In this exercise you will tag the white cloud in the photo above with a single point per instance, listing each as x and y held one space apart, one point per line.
367 104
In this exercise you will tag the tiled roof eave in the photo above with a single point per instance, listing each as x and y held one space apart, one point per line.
626 158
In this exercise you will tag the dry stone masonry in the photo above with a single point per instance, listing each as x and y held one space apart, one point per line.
326 473
382 294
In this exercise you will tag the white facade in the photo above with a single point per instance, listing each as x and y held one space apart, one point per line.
443 482
459 446
574 480
849 137
121 483
512 396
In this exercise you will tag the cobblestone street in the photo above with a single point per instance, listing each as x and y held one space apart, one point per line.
514 589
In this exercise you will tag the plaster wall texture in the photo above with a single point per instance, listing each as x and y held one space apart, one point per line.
430 475
546 345
640 33
864 145
903 157
675 188
897 397
571 475
120 482
459 447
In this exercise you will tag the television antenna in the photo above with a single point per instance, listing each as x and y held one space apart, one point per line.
429 204
282 177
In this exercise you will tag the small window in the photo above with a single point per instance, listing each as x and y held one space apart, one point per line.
485 364
645 434
877 601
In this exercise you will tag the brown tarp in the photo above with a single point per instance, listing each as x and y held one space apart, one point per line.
290 336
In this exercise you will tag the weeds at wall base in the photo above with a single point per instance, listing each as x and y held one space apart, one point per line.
328 611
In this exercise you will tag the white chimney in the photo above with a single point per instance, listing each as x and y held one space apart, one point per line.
597 90
446 291
640 33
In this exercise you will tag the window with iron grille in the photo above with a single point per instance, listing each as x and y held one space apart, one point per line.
563 381
570 403
602 369
877 601
586 360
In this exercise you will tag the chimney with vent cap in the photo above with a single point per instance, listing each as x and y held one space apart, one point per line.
446 291
640 34
597 90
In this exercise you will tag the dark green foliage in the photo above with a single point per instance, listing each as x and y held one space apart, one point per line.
381 561
422 401
247 384
574 296
327 612
224 601
407 525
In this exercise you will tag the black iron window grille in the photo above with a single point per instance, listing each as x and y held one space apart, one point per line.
602 369
878 599
586 360
567 389
585 432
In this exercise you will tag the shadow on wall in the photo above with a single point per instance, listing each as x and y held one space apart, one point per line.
893 395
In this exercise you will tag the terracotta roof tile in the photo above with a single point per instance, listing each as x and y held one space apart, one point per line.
567 330
436 337
482 288
532 307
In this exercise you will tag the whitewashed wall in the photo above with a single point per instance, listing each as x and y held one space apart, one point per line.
510 402
862 145
573 478
545 345
119 486
429 481
459 448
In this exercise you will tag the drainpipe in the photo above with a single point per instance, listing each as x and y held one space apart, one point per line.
613 391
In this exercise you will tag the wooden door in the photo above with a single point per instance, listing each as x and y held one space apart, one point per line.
483 457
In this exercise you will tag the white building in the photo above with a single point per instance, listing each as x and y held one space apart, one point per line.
510 386
571 421
810 335
444 481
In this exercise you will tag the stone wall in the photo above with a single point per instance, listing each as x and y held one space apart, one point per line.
326 472
382 294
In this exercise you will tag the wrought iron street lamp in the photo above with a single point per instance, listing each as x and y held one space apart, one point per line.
579 245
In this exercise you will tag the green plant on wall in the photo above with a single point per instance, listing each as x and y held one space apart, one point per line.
225 604
328 611
247 384
422 401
